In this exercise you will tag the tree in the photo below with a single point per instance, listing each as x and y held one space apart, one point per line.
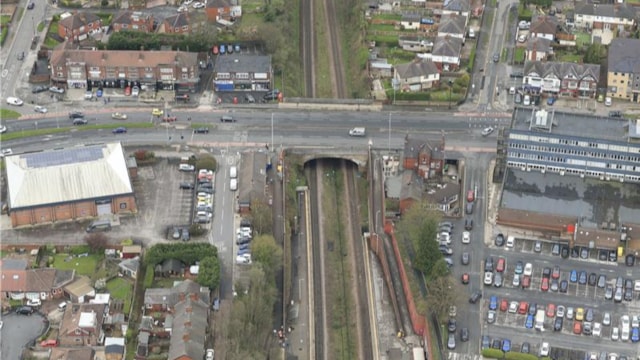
209 272
419 225
262 218
188 253
440 296
206 162
97 242
265 251
594 54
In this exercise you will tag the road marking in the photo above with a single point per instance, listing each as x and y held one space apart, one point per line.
5 72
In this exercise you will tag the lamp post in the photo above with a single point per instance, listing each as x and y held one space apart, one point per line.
450 86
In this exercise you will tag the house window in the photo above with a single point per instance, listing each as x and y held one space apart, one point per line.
123 205
77 332
185 28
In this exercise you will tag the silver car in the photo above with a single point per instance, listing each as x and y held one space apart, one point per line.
516 280
451 343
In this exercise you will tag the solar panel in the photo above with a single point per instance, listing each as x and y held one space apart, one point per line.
63 157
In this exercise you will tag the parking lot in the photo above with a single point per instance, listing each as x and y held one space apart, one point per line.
571 278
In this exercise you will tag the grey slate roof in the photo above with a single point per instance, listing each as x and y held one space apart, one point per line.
624 55
452 24
178 20
188 333
457 5
412 186
562 69
539 44
621 11
130 264
239 63
60 176
169 297
13 264
78 20
447 46
253 177
126 17
410 18
416 68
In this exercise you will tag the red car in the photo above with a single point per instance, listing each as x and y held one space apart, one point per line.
49 343
465 278
556 272
501 264
523 308
526 282
127 91
551 310
504 305
544 286
577 327
169 119
215 50
471 195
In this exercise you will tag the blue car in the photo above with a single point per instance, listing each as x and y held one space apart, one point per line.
529 322
223 49
243 252
493 302
574 276
635 334
506 345
551 101
119 130
243 247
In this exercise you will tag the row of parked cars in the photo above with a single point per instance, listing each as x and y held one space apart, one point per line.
244 235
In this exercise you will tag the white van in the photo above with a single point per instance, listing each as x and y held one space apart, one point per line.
358 131
233 184
233 172
62 306
243 259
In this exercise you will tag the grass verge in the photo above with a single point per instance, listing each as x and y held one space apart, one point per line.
324 89
341 314
51 131
9 114
82 265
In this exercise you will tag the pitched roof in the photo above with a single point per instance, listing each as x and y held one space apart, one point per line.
32 280
562 70
79 20
445 194
218 3
620 11
416 68
77 315
543 24
129 17
452 24
124 58
188 333
130 264
410 17
624 55
411 186
447 46
60 176
178 20
173 265
457 5
80 286
253 177
538 44
169 297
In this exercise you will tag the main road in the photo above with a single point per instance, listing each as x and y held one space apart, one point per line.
309 129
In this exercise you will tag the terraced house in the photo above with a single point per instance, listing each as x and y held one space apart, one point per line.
606 21
561 78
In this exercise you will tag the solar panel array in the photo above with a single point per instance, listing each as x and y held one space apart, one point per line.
63 157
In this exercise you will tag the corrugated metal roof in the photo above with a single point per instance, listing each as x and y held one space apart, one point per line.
65 175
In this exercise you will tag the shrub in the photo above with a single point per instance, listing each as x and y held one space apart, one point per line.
148 277
206 162
196 230
80 249
519 356
492 353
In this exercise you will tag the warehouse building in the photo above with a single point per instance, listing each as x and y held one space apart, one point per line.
67 184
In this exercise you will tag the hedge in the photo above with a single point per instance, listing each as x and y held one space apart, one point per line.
519 356
148 277
493 353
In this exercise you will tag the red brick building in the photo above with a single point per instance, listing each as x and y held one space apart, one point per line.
133 21
222 10
68 184
79 25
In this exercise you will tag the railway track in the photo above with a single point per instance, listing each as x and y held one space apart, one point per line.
341 306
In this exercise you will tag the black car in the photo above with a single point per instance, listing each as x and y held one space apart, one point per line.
475 297
21 56
564 252
31 6
464 334
486 341
39 89
75 114
451 326
593 279
575 252
557 324
25 310
613 256
533 307
488 264
497 344
628 294
80 121
564 286
525 348
517 75
602 255
499 240
201 130
546 273
272 95
630 260
468 224
186 185
615 114
206 190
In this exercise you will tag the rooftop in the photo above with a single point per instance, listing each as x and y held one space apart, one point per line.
243 64
624 55
571 125
590 200
60 176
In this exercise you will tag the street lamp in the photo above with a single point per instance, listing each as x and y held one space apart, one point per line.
450 86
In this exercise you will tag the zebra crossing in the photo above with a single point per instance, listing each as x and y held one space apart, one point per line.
456 356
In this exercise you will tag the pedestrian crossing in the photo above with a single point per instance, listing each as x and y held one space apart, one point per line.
456 356
485 114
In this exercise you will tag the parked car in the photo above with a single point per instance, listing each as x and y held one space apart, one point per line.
272 95
40 109
38 89
11 100
615 114
25 310
57 90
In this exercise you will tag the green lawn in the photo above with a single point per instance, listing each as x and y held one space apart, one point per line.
121 289
4 19
570 58
582 39
82 265
9 114
518 56
382 27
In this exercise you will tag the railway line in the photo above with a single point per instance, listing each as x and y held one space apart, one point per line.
308 48
341 306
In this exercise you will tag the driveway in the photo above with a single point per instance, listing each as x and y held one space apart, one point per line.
17 331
